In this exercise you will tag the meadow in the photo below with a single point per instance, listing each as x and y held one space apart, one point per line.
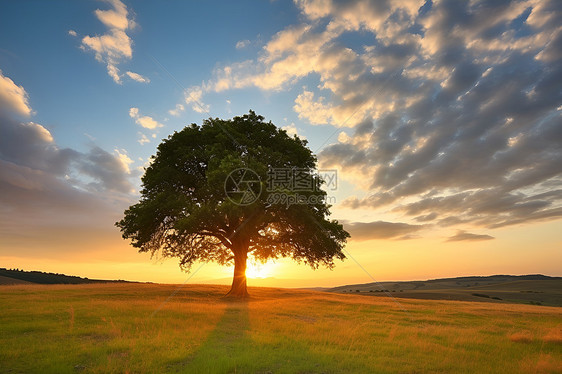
146 328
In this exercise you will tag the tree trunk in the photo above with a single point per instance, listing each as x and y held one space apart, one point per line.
238 288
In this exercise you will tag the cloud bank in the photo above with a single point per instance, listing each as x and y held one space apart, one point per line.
40 180
456 107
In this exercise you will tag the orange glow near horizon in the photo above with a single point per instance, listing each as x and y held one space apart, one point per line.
385 260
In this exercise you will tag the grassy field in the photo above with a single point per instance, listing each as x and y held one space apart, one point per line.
138 328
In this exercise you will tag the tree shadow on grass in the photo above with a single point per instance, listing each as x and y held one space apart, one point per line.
232 348
221 352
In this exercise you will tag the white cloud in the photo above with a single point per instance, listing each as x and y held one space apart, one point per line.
193 97
113 72
90 137
72 33
148 122
177 110
137 77
114 46
242 44
316 112
145 121
143 139
124 160
42 133
115 18
13 98
292 130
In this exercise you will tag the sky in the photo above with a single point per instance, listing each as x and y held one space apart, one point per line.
443 120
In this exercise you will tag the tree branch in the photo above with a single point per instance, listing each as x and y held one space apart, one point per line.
227 243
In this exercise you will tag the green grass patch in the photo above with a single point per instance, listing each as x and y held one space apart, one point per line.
119 328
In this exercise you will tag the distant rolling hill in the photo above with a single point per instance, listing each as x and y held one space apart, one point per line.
7 280
11 276
527 289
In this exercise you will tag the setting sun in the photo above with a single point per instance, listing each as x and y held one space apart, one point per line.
257 270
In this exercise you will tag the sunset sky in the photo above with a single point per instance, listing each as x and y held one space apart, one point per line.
443 120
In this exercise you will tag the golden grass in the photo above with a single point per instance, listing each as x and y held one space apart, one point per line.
137 328
521 337
553 335
548 364
543 364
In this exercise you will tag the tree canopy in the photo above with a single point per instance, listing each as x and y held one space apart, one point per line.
211 194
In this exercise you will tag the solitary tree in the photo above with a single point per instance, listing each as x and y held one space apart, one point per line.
230 189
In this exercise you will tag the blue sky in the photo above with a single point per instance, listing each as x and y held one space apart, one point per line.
178 52
442 118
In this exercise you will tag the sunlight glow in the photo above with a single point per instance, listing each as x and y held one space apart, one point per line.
260 271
